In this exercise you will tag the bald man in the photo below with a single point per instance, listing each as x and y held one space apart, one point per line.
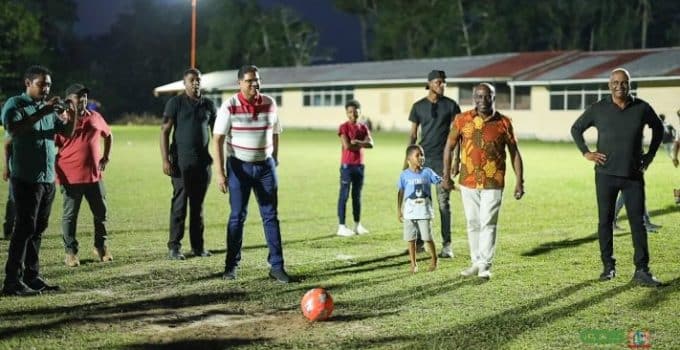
483 134
620 164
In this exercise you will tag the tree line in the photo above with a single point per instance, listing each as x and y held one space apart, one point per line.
149 45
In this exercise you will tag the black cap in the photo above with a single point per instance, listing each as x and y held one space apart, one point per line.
434 74
77 89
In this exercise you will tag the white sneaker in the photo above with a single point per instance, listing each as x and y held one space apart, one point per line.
484 273
345 231
446 252
360 229
470 271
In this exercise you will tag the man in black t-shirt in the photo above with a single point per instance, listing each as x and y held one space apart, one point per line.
619 167
433 115
187 161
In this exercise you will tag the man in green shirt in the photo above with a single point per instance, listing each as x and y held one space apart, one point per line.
31 121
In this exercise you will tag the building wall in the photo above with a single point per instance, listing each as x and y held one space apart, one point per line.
389 107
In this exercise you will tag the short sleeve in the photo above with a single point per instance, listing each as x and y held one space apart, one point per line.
342 129
276 123
510 131
170 110
10 112
434 178
223 120
101 125
413 116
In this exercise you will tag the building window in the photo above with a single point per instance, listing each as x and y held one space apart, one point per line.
522 98
215 97
276 94
579 96
327 96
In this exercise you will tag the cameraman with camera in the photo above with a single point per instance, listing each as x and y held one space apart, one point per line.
31 122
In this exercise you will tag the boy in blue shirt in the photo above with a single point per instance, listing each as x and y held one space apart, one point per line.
414 204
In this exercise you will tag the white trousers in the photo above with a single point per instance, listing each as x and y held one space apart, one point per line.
481 212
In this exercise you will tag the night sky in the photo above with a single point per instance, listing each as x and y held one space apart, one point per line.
339 32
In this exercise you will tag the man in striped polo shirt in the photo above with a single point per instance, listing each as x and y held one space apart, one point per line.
249 125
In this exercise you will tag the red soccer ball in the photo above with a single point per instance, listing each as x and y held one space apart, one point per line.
317 304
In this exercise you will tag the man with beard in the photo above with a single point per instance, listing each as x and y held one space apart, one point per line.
32 121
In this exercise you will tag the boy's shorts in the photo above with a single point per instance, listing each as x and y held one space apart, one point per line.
414 227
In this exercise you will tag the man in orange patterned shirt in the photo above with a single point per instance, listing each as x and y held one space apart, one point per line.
483 134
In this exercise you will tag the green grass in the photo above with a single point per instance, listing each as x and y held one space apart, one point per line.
543 293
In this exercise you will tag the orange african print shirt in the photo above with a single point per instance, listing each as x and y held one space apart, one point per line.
482 149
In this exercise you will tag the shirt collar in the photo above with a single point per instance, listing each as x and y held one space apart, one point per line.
244 101
28 99
494 116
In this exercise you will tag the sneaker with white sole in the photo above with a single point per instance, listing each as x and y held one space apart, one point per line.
470 271
484 273
360 229
446 252
345 231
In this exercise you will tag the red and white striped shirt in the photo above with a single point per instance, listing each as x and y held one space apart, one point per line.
249 128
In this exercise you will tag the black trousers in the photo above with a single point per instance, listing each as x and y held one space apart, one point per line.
607 188
10 213
189 187
33 205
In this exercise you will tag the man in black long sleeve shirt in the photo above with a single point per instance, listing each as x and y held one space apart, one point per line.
619 166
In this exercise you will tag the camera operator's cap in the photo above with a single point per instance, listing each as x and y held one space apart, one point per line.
434 74
77 89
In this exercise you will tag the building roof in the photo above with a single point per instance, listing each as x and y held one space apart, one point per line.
595 66
524 68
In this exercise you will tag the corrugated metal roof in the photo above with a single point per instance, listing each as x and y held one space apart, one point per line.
571 68
519 68
517 64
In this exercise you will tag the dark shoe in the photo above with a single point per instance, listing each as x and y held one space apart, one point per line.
229 274
646 279
202 253
39 284
19 289
279 275
175 254
608 274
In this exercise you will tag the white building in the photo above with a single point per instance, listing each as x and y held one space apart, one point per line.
543 92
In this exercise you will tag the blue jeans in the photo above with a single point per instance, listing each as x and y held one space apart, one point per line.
351 175
260 177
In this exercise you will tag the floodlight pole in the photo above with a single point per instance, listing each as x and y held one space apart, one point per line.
193 33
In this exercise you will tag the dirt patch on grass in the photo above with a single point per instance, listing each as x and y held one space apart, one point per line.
214 323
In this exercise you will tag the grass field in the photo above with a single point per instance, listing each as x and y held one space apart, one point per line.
543 295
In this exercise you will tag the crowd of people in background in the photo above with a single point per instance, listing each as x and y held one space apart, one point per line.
245 132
